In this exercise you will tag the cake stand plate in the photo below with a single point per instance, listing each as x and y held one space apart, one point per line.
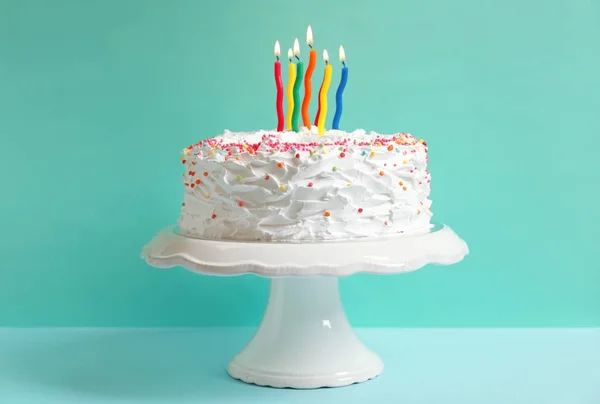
305 340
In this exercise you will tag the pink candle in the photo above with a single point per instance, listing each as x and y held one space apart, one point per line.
279 86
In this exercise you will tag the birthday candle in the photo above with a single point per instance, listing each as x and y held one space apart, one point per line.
307 84
340 91
297 84
279 86
289 89
323 93
318 106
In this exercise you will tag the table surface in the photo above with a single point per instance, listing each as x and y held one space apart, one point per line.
463 366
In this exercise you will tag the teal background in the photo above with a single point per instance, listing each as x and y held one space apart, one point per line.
98 97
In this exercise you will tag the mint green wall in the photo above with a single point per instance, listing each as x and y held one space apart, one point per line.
98 97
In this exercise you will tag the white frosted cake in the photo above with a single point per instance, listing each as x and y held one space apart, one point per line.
301 187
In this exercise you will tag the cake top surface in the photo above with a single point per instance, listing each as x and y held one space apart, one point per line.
234 143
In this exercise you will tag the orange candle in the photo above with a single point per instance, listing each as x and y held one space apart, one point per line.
307 84
319 106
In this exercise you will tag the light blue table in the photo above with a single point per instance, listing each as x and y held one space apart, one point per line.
546 366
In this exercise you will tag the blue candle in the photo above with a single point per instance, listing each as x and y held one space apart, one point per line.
340 91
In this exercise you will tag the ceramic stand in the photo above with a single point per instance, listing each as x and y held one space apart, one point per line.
304 340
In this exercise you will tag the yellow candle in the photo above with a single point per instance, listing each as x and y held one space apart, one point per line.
289 91
323 93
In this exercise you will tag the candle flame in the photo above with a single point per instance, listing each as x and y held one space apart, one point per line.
290 54
277 50
325 55
296 47
342 54
309 36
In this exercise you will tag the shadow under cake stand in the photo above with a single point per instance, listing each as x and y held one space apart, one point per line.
304 339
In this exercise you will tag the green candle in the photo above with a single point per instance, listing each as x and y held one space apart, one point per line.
297 84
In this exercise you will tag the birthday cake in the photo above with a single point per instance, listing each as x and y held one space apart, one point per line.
306 183
301 186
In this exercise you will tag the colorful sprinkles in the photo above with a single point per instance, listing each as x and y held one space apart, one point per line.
272 142
233 150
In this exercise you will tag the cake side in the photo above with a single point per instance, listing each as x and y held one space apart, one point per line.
290 186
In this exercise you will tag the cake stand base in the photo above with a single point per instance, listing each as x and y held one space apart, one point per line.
304 340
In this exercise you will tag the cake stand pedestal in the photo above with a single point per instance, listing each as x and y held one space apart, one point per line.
304 339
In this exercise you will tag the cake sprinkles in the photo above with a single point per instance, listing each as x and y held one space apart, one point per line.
302 186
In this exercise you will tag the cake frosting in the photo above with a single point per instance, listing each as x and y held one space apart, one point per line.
300 187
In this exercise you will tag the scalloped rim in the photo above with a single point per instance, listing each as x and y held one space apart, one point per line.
279 380
442 247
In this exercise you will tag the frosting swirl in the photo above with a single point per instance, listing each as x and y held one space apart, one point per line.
290 186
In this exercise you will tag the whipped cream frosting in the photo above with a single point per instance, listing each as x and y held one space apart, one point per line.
289 186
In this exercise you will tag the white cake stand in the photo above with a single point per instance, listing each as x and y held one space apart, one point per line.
304 340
